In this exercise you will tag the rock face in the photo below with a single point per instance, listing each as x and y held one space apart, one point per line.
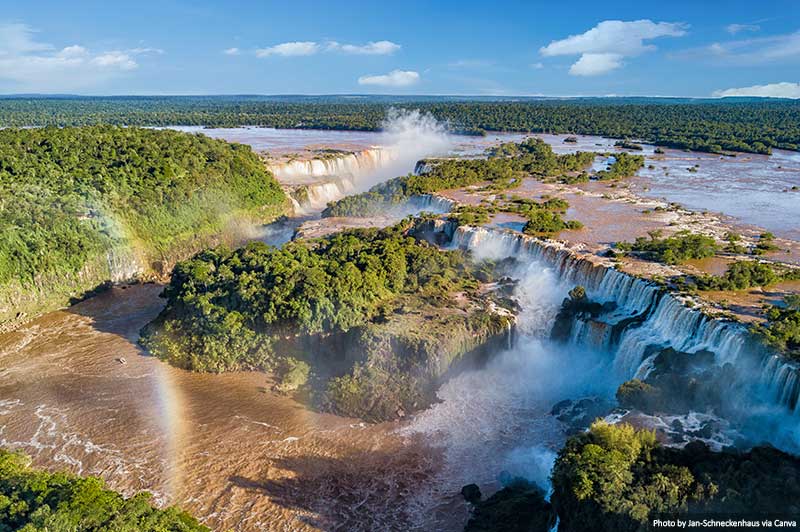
399 364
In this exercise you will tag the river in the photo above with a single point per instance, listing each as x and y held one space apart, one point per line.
77 393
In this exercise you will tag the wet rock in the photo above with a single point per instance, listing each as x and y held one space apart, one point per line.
520 507
579 414
471 493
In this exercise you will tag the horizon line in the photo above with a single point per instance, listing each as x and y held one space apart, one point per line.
45 95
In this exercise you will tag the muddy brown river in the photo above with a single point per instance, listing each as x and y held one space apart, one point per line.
78 394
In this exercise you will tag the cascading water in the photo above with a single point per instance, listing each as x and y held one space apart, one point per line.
499 417
406 137
645 316
351 164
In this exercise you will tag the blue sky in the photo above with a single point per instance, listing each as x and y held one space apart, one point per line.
677 48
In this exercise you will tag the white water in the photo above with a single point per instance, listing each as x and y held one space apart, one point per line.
498 418
355 164
407 137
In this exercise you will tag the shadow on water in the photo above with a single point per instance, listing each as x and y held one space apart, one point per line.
92 292
362 490
120 309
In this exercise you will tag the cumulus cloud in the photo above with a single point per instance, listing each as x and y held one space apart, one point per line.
289 49
29 64
395 78
771 90
371 48
733 29
231 51
595 64
603 47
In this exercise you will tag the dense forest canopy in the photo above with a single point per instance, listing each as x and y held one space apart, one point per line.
225 309
37 500
367 321
616 478
705 125
69 196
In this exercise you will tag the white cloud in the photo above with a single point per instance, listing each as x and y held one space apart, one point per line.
595 64
115 59
290 49
733 29
371 48
143 51
30 65
773 48
537 66
231 51
301 48
395 78
470 64
603 47
771 90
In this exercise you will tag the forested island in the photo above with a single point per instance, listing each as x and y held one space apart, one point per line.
748 125
81 206
367 320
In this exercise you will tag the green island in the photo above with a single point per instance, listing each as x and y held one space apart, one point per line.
674 249
33 500
625 165
504 168
782 327
370 320
616 478
81 206
701 125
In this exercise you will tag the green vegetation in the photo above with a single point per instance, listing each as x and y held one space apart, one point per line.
628 145
371 312
675 249
742 275
766 243
504 167
32 500
625 165
616 478
470 214
711 125
544 218
75 201
782 329
733 243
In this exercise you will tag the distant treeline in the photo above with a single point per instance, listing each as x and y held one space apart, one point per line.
705 125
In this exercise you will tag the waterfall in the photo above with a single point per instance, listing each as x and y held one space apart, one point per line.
430 203
353 164
642 316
